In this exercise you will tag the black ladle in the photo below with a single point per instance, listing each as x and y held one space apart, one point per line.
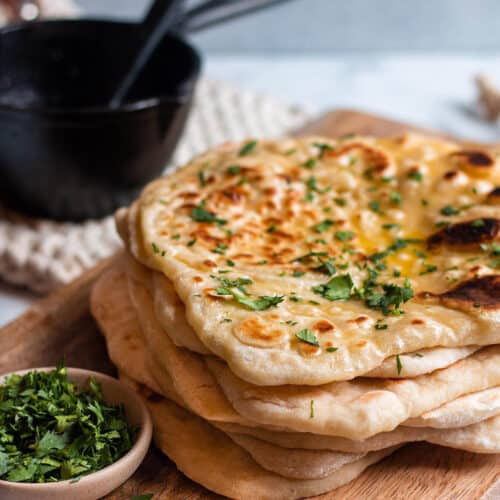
64 152
159 21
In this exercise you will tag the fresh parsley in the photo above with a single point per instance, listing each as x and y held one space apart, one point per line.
51 431
389 298
247 148
338 288
307 336
449 210
344 236
200 214
399 365
415 175
323 226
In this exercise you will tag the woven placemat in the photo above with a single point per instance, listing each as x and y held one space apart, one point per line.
42 255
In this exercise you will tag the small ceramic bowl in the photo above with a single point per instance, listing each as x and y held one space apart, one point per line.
100 483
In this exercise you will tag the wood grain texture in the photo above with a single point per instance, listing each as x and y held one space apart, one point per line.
60 326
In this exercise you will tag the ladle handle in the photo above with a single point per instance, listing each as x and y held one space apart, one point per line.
160 19
214 12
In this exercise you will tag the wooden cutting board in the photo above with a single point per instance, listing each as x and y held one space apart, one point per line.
61 326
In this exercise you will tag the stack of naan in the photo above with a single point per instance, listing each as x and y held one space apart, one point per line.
295 310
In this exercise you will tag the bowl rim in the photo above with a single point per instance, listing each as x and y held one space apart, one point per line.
134 106
143 438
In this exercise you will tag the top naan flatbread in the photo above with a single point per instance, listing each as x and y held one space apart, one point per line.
305 261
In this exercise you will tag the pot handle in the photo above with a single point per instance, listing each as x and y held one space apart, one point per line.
214 12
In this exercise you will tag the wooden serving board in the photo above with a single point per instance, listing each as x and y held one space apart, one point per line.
60 325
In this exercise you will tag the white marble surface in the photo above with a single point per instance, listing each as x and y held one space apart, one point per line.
433 90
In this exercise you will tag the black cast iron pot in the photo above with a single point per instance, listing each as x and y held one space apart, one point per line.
64 153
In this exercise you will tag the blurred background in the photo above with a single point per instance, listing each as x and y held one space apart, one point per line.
328 26
414 61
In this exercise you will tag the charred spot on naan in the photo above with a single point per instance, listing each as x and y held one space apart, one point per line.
259 332
466 235
494 196
378 161
477 293
475 163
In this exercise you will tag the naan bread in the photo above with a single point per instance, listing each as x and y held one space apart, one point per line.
117 320
171 315
237 228
461 412
297 455
413 364
210 458
360 408
483 437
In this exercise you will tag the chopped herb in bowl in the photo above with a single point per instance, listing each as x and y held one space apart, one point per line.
50 430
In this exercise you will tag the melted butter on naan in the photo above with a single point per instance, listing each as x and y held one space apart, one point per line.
289 215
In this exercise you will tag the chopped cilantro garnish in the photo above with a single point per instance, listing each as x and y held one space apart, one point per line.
428 268
349 135
155 248
298 274
477 223
424 202
220 248
312 185
307 336
199 214
234 169
326 267
51 431
391 226
323 148
307 256
323 226
415 176
230 263
271 228
395 197
201 178
449 210
146 496
375 206
332 349
495 264
341 202
338 288
238 283
176 237
190 243
261 303
391 298
310 163
442 223
399 365
344 235
381 326
247 148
